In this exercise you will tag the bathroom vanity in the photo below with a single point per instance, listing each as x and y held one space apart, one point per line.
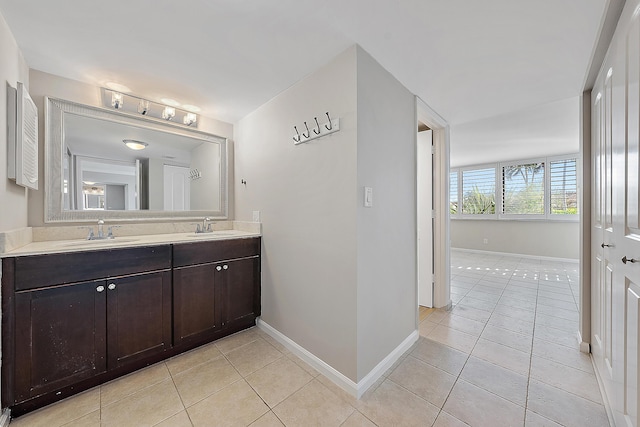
79 317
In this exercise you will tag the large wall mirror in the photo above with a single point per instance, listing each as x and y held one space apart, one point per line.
101 163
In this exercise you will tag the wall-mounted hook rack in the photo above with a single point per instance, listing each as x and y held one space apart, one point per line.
320 130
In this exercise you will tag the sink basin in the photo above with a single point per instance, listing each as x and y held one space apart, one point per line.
98 243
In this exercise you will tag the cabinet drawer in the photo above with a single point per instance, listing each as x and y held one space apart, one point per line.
212 251
47 270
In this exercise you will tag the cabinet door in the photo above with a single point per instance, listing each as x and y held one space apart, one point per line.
60 337
138 317
240 295
194 302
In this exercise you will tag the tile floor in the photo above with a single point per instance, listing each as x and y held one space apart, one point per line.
505 355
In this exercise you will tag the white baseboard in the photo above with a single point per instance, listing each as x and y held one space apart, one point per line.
605 398
348 385
5 417
542 258
585 347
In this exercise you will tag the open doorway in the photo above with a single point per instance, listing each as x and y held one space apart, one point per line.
424 153
432 167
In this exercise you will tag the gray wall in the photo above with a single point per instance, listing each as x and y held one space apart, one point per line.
557 239
307 197
204 190
386 232
44 84
13 68
338 278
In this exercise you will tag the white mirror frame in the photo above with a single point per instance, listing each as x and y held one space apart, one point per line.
55 110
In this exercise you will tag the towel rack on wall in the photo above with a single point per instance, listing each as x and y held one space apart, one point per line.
317 130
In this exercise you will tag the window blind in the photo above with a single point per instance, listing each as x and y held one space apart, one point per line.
523 189
453 193
479 191
564 187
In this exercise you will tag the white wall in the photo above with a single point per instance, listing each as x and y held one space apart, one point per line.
307 195
13 68
44 84
557 239
543 130
387 132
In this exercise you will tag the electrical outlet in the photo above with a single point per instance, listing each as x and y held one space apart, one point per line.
485 241
256 216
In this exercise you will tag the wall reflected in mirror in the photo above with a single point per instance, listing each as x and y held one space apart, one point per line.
156 171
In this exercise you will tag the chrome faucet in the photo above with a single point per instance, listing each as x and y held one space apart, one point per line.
206 226
101 234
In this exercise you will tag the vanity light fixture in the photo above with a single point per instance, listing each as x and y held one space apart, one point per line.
189 119
168 110
168 113
116 100
134 144
143 107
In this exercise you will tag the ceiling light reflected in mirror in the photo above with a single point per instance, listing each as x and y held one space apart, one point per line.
135 145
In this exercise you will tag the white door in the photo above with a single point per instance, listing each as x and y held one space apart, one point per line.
425 218
177 190
616 220
627 189
602 229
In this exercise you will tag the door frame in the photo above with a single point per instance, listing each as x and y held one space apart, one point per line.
441 247
585 207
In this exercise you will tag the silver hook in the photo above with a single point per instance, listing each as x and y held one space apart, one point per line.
317 132
297 134
308 132
330 125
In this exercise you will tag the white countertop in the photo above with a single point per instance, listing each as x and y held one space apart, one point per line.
80 245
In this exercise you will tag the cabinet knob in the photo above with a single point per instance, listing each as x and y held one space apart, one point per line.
225 267
112 286
218 268
100 288
626 260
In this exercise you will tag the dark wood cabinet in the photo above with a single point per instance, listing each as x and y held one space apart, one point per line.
238 295
194 301
60 337
72 332
215 293
71 321
138 317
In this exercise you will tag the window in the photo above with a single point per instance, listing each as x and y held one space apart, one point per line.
545 188
453 193
523 189
479 191
564 188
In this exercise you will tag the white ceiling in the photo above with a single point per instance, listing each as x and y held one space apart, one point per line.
467 59
543 130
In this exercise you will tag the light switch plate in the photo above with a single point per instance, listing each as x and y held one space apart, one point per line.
368 197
